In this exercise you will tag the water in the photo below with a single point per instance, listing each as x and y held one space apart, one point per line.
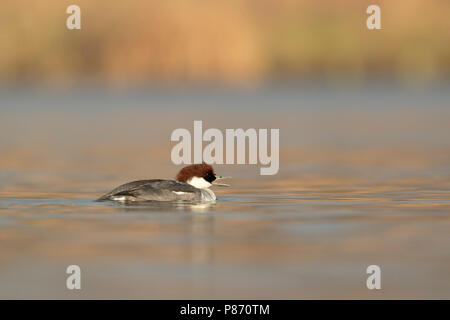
357 186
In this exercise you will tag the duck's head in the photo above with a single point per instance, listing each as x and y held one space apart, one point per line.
201 176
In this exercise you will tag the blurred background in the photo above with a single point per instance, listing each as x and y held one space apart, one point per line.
364 123
236 41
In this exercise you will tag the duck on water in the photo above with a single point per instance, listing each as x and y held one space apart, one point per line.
192 184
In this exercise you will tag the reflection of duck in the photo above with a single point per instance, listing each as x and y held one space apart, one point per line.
166 206
192 184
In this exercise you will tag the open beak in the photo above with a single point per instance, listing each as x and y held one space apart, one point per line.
220 184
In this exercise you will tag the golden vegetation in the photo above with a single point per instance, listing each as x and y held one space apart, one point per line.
233 40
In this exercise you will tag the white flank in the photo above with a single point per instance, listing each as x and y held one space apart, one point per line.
122 198
179 192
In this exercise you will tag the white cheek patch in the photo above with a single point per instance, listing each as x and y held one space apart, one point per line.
199 183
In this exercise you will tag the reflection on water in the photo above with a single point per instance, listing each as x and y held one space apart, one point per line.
373 189
269 245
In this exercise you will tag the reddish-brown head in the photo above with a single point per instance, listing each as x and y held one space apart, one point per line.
203 170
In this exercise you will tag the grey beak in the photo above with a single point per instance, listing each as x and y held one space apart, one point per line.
221 184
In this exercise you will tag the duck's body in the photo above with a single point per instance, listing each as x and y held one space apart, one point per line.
158 190
192 184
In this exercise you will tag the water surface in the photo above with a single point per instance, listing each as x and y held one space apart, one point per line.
358 185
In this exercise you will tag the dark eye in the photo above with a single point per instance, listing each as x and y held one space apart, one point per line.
209 177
